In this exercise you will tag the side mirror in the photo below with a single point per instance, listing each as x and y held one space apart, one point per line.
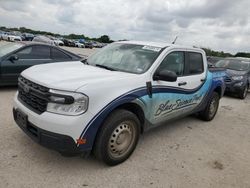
210 65
165 75
13 58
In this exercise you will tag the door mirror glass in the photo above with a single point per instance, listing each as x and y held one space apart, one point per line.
13 57
210 65
165 75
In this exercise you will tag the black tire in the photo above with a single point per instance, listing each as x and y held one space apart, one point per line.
211 109
106 146
243 93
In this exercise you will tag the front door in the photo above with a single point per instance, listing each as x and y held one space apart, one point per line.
174 99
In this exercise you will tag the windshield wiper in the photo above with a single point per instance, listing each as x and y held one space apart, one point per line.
84 61
105 67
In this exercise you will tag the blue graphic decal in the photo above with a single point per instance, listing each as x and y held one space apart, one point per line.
166 103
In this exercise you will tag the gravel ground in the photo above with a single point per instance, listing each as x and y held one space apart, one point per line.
186 153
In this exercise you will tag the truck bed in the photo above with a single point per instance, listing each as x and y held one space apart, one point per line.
215 69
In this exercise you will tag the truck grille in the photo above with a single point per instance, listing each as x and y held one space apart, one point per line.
33 96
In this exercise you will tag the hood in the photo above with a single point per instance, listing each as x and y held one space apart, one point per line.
230 72
70 75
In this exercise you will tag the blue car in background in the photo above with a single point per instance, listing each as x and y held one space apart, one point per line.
237 75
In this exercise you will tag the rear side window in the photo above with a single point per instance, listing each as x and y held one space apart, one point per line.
57 54
34 52
195 63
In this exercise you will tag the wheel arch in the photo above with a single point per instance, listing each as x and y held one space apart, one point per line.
93 130
218 90
135 109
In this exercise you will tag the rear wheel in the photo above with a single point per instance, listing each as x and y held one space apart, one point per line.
243 93
117 137
211 109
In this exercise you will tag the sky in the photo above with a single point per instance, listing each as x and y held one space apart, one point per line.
222 25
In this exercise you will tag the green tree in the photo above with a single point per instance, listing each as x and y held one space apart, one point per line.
104 39
210 52
242 54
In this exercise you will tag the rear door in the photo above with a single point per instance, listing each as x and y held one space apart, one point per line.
174 99
28 56
196 69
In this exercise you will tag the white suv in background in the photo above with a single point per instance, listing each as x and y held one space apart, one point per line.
11 37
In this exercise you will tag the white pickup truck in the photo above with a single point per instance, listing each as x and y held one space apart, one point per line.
105 102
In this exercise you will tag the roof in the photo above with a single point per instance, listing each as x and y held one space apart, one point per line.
33 42
155 44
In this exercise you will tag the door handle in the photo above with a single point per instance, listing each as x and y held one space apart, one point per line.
203 79
182 83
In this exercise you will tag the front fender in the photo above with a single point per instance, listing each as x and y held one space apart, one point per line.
90 132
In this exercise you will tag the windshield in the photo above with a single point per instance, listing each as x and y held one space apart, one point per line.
7 48
234 64
125 57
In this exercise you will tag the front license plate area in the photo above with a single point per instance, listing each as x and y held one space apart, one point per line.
21 119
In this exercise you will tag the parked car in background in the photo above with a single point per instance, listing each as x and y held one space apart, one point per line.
96 44
43 39
11 37
1 33
69 43
27 36
5 36
16 33
101 45
88 44
82 41
212 60
57 41
16 57
104 103
79 45
237 75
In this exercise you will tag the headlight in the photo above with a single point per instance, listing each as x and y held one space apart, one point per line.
236 78
67 103
238 84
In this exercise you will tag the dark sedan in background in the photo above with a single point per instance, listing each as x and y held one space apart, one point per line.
27 37
237 75
212 60
69 43
16 57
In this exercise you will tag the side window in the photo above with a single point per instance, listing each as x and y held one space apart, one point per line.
34 52
57 54
173 62
195 63
25 51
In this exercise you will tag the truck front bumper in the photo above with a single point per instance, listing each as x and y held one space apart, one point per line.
235 87
61 143
54 131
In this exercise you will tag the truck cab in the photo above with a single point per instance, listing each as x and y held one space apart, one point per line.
105 102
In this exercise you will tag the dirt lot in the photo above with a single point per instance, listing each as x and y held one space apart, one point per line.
186 153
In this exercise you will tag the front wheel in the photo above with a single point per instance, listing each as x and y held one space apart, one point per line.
243 93
117 138
211 108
